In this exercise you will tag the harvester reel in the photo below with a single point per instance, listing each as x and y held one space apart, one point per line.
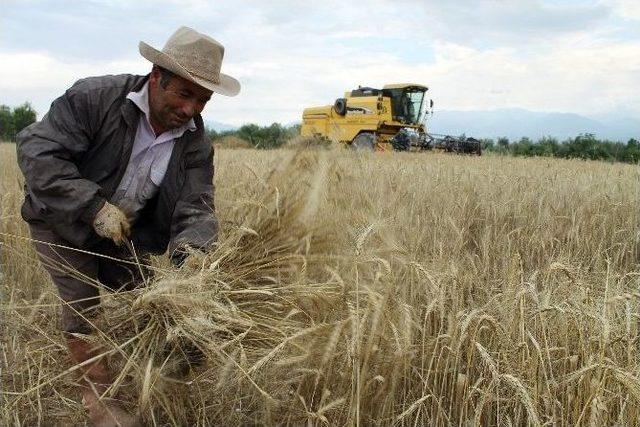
457 144
365 141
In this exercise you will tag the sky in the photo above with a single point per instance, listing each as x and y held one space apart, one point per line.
579 56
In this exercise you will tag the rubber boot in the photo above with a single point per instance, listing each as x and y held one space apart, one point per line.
96 379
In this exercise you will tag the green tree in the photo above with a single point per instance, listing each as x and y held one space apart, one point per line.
487 144
584 146
502 145
23 116
7 129
548 146
523 147
13 121
264 137
631 152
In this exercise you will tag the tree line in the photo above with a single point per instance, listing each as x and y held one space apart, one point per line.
265 137
584 146
13 120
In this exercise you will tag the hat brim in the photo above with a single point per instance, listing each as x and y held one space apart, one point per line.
227 86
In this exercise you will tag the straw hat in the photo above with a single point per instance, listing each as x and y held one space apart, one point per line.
196 57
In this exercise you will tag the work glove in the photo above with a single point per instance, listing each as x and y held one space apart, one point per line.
112 223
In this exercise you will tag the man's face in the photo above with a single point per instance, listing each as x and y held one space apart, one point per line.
174 103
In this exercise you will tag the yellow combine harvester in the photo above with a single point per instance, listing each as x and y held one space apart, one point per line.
391 118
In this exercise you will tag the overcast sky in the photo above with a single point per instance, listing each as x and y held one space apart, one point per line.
578 56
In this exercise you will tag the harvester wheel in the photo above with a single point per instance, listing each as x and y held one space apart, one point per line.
401 141
365 141
340 106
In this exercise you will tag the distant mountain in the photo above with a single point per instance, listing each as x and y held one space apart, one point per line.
218 127
515 123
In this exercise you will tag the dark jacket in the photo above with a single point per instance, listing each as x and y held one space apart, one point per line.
74 158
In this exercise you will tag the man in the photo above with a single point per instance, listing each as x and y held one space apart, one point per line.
121 164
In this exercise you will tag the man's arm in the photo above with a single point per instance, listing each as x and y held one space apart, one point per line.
47 154
194 222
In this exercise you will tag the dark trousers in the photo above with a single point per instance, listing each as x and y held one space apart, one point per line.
79 275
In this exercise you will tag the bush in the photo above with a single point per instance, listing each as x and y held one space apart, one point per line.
13 121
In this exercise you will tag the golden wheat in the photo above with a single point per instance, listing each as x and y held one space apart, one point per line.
382 289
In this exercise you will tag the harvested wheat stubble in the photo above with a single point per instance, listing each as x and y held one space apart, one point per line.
389 290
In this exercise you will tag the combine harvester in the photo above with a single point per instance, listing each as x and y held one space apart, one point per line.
391 118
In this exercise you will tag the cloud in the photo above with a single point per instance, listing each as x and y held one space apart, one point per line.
627 9
39 77
593 78
529 54
507 23
584 78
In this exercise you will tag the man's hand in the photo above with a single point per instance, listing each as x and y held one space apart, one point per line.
112 223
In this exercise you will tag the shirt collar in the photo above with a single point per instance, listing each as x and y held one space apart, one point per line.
141 99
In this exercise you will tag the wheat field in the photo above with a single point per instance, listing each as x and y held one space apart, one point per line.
361 289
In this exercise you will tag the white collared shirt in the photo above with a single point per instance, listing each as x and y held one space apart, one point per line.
149 159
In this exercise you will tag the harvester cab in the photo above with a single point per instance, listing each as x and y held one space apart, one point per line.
391 118
407 103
